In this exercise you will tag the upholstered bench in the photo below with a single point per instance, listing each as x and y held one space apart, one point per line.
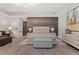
42 43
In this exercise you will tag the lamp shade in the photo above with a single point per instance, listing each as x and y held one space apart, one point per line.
9 28
52 29
30 29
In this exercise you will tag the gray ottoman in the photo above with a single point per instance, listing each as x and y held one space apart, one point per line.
42 43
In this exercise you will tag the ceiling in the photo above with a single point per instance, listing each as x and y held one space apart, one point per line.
34 7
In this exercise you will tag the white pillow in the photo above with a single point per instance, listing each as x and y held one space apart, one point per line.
0 33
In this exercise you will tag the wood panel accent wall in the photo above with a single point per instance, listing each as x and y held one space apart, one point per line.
43 21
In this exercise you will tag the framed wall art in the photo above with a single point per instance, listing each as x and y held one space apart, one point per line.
73 19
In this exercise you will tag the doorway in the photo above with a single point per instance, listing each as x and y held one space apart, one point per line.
24 28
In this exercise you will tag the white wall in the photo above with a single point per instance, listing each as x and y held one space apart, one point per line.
6 20
36 14
14 22
61 24
3 21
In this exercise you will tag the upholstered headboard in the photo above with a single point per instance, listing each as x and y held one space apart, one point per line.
41 29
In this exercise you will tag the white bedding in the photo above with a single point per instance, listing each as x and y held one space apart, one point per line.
40 33
32 36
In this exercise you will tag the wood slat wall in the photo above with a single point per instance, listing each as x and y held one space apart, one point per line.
43 21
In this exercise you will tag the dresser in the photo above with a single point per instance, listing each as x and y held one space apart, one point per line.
72 39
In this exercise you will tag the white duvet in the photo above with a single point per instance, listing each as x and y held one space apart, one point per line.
32 36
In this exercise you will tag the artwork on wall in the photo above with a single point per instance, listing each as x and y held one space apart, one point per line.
73 19
70 18
77 19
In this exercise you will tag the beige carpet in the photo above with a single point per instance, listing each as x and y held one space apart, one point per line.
58 41
24 42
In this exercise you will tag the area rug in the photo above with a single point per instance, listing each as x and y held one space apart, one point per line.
24 42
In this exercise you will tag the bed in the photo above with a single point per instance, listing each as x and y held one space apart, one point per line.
40 32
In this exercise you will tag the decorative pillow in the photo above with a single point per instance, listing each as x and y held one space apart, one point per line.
68 31
0 33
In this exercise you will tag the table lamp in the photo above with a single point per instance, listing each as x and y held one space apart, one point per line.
9 28
52 29
30 29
